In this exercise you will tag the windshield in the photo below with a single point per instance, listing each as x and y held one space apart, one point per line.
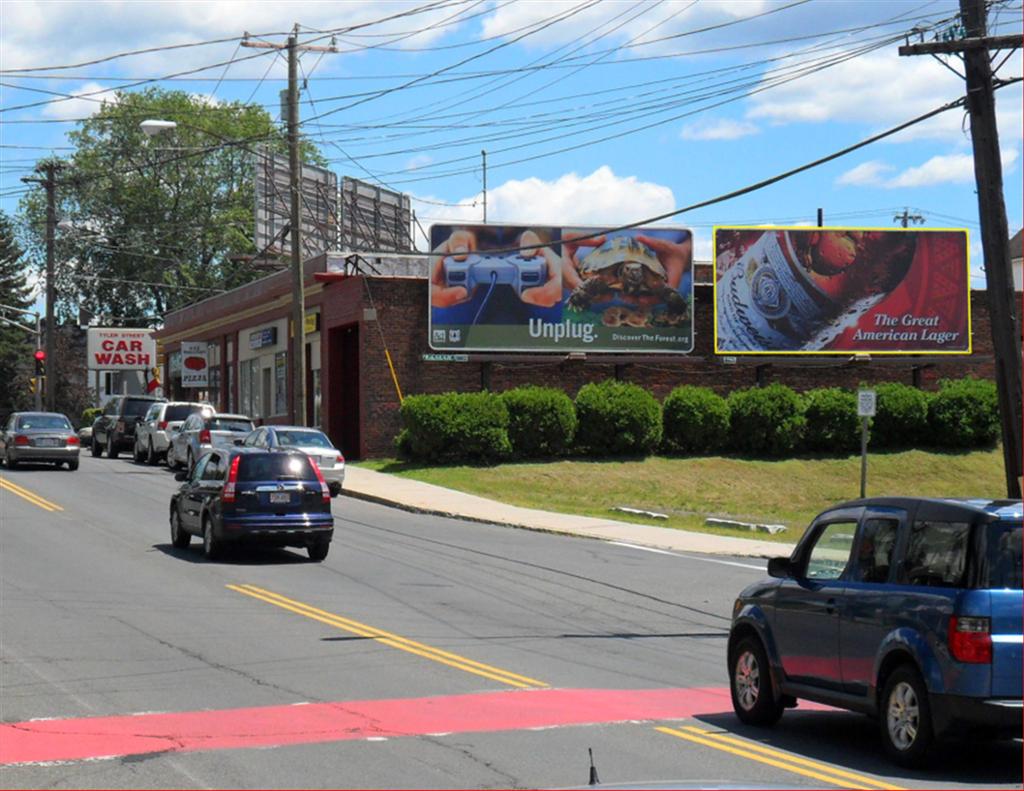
275 467
229 424
133 408
315 439
43 421
1001 564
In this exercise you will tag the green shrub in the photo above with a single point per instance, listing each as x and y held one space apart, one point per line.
765 421
454 427
90 414
617 419
696 420
964 413
832 422
901 416
541 421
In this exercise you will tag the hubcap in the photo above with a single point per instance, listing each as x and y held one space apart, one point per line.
903 716
747 680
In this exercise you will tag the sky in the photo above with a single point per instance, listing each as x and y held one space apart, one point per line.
591 112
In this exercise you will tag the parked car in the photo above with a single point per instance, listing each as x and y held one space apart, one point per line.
905 609
153 433
235 494
114 430
39 437
202 431
311 441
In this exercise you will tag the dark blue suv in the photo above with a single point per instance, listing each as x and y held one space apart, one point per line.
905 609
231 495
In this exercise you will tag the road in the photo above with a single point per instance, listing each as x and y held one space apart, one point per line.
423 653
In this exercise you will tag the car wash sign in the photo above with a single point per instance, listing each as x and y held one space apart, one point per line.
120 349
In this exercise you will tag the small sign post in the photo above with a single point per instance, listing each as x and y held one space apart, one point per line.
865 409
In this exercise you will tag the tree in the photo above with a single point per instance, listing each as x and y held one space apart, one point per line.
15 344
172 209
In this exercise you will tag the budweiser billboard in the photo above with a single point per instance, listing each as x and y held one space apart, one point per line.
841 290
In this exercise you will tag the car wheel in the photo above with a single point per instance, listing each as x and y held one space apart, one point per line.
180 537
750 683
11 462
319 550
72 465
137 456
189 460
151 456
211 546
906 717
112 450
95 448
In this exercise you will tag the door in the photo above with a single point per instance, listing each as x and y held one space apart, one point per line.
342 410
806 627
191 500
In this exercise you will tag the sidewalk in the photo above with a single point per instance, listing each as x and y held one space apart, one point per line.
425 498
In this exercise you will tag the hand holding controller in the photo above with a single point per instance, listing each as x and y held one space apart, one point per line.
482 270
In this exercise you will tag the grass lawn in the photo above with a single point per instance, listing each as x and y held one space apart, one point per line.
789 492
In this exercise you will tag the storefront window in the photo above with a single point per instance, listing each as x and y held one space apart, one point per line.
280 383
316 397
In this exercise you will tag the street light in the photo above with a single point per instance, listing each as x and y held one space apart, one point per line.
154 126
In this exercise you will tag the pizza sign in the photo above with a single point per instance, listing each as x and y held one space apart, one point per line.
194 368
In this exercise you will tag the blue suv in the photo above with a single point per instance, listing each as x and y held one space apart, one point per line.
905 609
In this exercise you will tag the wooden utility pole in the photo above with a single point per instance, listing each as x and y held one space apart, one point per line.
906 218
298 355
995 234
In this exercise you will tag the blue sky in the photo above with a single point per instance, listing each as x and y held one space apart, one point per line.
694 98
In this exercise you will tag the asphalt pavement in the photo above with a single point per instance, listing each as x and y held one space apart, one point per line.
426 498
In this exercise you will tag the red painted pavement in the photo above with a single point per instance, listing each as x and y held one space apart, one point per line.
268 726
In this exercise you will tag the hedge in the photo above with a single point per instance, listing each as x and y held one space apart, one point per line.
695 420
454 427
964 413
541 421
617 419
901 416
766 421
89 415
832 422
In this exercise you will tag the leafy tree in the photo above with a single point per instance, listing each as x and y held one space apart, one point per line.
173 209
15 344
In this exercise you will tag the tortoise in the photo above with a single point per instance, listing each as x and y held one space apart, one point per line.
627 266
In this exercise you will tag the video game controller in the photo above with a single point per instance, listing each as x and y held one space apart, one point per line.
481 270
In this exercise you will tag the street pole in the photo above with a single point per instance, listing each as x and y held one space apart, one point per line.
51 320
988 173
483 154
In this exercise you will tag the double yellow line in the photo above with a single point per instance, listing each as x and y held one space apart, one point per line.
778 758
389 639
32 497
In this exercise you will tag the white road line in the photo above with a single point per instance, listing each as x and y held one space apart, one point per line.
689 557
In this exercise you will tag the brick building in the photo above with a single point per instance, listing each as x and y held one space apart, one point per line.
352 320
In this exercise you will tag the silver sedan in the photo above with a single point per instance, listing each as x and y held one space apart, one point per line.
39 437
311 441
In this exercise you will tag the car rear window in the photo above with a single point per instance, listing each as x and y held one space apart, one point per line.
228 424
275 467
43 421
134 408
315 439
1002 559
180 411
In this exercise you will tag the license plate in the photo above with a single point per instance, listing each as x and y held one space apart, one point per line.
280 497
326 461
47 443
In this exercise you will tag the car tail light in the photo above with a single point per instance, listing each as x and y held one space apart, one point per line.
325 493
21 439
229 488
204 437
74 441
970 639
341 459
162 425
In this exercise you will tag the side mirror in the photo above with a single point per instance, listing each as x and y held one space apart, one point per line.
181 476
780 567
334 488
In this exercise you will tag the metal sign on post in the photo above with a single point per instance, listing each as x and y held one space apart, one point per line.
866 402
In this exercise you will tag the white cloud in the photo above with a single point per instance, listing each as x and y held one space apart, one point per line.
867 174
942 169
95 98
419 161
718 129
596 199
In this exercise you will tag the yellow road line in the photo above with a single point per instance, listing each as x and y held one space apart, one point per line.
779 759
389 639
32 497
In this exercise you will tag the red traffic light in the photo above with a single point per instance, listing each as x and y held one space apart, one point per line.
40 355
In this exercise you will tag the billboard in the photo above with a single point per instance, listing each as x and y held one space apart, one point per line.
560 289
319 205
119 349
194 367
374 218
841 291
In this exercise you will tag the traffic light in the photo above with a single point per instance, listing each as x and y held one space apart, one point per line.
40 356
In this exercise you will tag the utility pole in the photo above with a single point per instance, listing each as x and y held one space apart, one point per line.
995 235
49 169
38 332
298 356
483 154
906 218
